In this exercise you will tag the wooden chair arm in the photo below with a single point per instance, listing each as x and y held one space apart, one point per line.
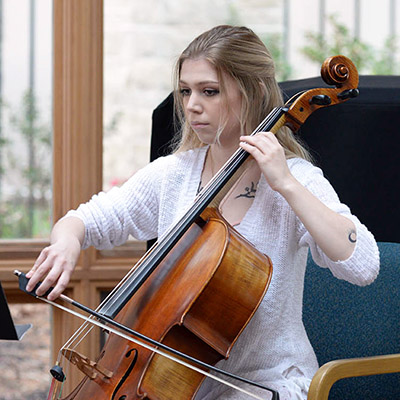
335 370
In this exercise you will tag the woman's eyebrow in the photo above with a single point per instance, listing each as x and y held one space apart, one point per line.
181 82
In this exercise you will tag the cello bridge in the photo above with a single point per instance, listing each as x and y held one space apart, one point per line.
90 368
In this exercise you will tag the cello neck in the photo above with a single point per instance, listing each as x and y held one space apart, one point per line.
210 196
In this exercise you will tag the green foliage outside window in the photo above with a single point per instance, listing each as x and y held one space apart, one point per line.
26 156
366 58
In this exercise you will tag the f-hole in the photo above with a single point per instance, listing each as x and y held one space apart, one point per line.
130 353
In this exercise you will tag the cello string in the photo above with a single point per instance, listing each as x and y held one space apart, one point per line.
135 272
152 349
230 165
148 259
118 291
85 325
234 160
74 341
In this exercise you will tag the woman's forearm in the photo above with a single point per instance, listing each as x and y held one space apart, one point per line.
335 234
70 227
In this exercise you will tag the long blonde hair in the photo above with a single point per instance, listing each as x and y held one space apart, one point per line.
240 53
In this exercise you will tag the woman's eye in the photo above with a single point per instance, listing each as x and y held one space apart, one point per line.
211 92
185 92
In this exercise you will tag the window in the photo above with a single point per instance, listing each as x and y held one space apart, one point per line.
25 184
25 119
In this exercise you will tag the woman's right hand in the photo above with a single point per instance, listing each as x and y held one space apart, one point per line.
55 264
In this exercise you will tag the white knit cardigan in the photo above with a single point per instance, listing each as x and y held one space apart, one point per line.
274 348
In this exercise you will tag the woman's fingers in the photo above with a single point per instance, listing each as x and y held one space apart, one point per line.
270 156
39 269
53 273
264 144
42 257
61 285
54 269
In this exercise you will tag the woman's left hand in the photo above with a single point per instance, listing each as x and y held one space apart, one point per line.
270 156
332 232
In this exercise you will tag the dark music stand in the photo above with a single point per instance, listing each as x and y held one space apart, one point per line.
9 331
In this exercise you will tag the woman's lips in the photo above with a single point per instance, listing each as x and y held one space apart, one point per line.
198 125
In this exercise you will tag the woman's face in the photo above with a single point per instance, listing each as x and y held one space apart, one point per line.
206 109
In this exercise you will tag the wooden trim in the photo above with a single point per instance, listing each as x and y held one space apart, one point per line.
78 120
24 248
77 170
78 152
78 100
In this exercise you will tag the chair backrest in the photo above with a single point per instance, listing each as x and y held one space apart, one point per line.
356 143
346 321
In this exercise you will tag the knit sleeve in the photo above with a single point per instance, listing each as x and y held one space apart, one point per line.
132 209
362 267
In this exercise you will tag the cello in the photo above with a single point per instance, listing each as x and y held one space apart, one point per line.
202 277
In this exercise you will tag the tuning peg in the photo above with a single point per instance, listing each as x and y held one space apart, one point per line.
321 100
348 94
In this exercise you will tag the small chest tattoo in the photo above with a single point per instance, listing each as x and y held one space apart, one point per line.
249 192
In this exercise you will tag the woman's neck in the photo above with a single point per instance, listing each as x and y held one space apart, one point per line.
217 156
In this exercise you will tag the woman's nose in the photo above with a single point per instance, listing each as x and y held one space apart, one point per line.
194 103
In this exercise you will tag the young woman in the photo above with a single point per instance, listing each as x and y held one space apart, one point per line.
282 204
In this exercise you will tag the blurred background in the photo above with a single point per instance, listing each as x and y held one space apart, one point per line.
142 40
141 43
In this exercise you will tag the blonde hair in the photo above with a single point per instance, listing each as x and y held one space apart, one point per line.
238 52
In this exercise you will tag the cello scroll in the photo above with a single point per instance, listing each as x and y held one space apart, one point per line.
338 71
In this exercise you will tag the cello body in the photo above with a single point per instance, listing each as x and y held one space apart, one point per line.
197 301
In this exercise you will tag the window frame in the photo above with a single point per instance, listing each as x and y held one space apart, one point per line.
77 167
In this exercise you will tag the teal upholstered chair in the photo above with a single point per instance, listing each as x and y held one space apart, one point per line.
356 144
355 331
